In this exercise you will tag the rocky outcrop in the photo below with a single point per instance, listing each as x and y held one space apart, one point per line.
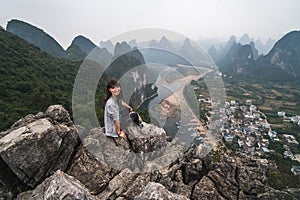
37 146
239 178
146 149
276 194
43 157
118 185
93 174
146 138
157 191
58 186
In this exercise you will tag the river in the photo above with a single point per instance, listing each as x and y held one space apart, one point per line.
183 124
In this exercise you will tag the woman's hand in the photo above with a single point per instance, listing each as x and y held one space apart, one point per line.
123 135
130 109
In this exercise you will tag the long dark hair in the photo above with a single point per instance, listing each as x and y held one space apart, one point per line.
111 84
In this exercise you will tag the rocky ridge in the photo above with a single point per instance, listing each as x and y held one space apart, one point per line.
43 157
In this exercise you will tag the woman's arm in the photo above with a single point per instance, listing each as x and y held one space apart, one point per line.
120 132
126 105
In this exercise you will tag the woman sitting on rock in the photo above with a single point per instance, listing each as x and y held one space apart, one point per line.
112 111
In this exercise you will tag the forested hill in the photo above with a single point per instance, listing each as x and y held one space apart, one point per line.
35 36
31 79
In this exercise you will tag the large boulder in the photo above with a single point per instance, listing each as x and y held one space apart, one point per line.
118 185
157 191
93 174
58 186
136 187
114 153
224 176
206 190
232 178
146 138
143 144
37 146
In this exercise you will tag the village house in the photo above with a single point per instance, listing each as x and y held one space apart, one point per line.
281 114
248 102
295 170
290 139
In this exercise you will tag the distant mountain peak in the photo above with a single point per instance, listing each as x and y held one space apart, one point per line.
35 36
232 39
264 48
132 43
245 39
84 43
153 43
164 43
107 45
82 47
187 43
121 48
285 55
80 38
164 39
281 63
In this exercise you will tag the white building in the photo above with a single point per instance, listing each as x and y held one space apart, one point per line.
281 114
256 115
253 108
248 102
232 102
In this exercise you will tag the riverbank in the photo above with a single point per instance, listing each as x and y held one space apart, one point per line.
147 99
177 100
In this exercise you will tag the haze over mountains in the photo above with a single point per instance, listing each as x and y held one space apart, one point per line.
242 56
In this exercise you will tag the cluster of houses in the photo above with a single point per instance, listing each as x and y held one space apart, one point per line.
293 119
247 127
248 131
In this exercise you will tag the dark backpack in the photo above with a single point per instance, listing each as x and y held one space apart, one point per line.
130 118
135 117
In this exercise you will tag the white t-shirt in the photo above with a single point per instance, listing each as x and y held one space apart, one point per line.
111 114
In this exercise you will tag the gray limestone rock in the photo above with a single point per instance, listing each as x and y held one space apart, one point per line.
157 191
93 174
36 150
146 138
37 146
206 190
118 185
58 186
146 166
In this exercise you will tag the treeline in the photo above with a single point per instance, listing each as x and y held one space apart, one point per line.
31 79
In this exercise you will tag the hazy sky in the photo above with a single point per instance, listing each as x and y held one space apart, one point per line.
102 19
